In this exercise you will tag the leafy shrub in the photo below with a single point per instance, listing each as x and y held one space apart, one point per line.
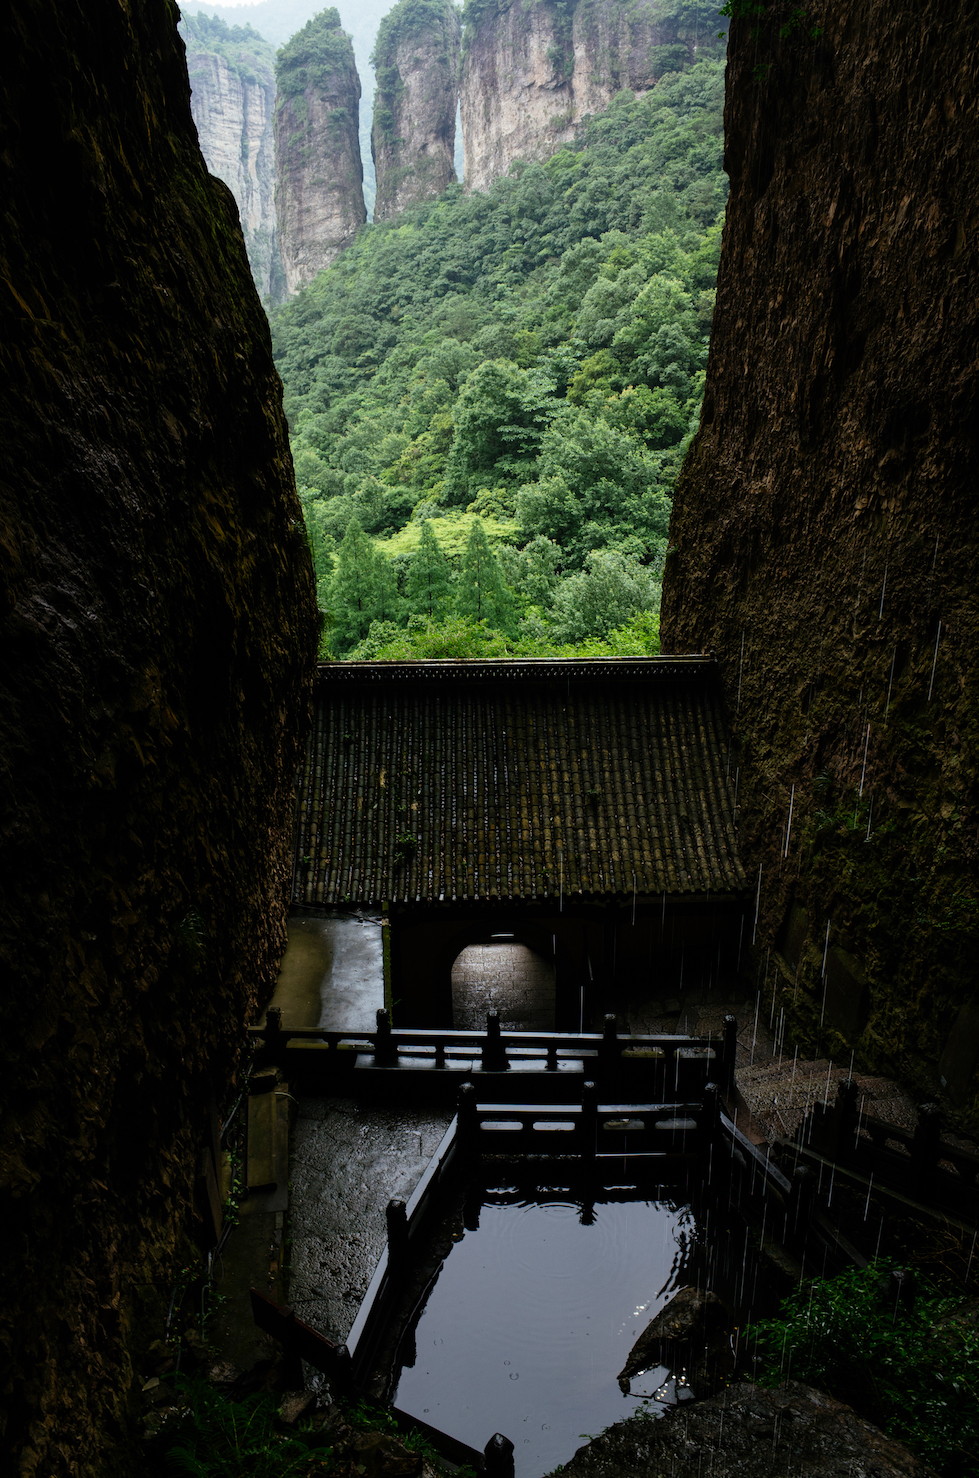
219 1438
913 1373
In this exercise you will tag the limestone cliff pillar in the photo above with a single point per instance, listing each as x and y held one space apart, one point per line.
416 58
319 196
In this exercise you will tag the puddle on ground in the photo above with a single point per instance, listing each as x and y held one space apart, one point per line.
332 973
534 1312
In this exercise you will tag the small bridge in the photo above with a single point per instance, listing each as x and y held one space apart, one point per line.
507 1067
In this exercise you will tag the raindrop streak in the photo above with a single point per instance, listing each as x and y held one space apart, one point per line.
788 825
866 1204
870 817
864 769
934 661
882 589
890 682
754 930
822 1011
741 665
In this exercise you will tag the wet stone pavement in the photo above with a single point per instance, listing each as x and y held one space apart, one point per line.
348 1161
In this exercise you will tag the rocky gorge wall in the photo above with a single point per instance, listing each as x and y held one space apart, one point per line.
824 540
157 636
233 105
413 140
533 69
319 195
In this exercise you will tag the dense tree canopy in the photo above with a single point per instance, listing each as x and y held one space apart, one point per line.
534 357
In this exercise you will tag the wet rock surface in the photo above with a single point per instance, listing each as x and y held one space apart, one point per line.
348 1162
157 632
749 1432
690 1336
823 537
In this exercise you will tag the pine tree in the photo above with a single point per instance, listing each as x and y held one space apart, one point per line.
483 596
427 585
362 589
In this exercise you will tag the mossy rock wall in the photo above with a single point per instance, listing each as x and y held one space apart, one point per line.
157 632
824 540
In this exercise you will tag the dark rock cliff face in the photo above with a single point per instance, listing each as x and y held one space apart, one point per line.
824 539
156 642
533 69
319 192
413 141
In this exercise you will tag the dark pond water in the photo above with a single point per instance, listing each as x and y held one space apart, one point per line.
535 1309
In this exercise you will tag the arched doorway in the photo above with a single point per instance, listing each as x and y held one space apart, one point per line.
503 976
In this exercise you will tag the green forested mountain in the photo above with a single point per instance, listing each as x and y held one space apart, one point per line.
526 363
242 47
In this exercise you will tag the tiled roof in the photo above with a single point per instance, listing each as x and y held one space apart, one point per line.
429 781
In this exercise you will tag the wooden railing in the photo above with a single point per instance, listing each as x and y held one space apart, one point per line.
591 1129
723 1168
653 1067
917 1163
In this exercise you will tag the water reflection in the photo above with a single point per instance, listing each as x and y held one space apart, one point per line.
535 1309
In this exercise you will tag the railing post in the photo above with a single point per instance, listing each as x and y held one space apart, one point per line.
608 1047
799 1213
924 1147
730 1052
498 1454
467 1126
494 1052
845 1120
707 1125
343 1375
900 1291
397 1220
589 1120
385 1051
272 1036
440 1054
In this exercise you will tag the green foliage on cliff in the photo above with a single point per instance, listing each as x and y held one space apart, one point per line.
407 20
314 57
534 356
247 53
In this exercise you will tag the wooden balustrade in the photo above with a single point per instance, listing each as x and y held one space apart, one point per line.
915 1162
658 1066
